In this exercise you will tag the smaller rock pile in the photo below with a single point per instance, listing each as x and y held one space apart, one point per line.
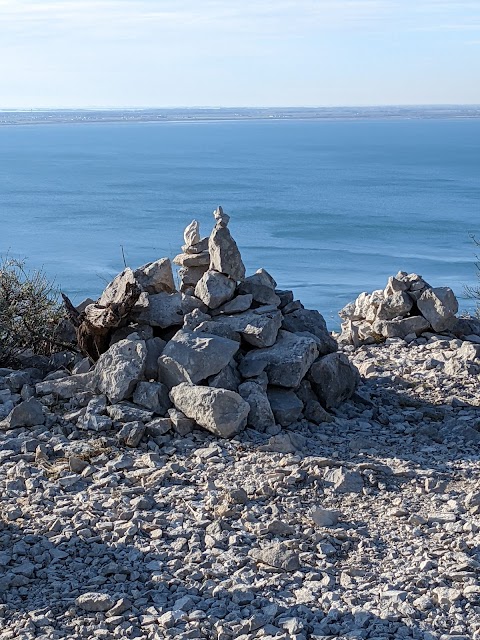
224 352
407 308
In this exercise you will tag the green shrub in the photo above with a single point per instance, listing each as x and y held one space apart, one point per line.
30 312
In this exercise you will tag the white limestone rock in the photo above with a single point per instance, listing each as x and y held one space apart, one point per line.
120 368
155 277
214 289
192 357
258 329
220 411
191 235
438 306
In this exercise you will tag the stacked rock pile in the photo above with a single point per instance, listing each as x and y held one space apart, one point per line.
407 308
224 352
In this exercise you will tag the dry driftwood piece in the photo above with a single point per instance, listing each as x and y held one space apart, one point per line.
96 323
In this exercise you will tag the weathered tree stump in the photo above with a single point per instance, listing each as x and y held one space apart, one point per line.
95 325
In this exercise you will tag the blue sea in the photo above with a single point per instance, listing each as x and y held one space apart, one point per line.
330 208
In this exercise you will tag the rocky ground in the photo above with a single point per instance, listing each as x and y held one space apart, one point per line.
366 526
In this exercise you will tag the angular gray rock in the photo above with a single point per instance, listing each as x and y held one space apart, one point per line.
94 602
195 318
224 254
26 414
464 327
155 277
344 480
220 411
261 286
334 379
288 360
401 328
258 329
439 307
120 368
261 415
167 310
129 412
190 276
286 405
66 388
399 303
214 289
250 368
115 291
227 378
307 320
192 357
277 555
237 305
201 259
155 347
324 517
153 396
131 433
94 420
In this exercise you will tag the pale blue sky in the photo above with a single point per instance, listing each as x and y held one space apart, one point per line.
64 53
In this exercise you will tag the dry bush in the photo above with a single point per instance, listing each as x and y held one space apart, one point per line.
30 312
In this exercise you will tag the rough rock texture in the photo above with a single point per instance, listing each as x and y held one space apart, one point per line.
199 355
261 415
156 277
224 254
363 526
288 360
407 308
334 379
439 307
312 322
256 328
228 333
26 414
220 411
286 406
120 368
262 288
214 289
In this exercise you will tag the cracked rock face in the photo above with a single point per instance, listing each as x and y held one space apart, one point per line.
120 368
220 411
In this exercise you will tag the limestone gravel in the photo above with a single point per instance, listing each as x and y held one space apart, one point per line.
194 537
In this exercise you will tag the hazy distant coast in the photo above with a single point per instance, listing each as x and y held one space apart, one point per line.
44 116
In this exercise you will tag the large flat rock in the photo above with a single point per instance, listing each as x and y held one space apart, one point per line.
192 357
220 411
288 360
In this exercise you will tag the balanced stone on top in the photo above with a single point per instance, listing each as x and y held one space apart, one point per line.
224 254
222 219
191 234
195 258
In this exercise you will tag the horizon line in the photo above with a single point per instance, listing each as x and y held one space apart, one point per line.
200 107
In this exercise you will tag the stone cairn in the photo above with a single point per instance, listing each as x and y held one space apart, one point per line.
407 308
224 352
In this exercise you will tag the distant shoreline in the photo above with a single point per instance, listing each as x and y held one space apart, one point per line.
149 116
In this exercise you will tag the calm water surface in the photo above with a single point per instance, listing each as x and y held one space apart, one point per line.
329 208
